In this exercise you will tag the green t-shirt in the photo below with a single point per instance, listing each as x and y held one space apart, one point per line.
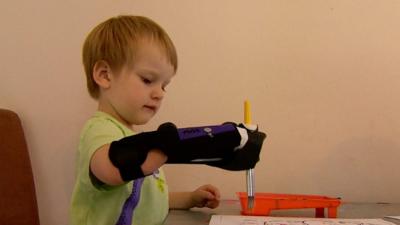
94 203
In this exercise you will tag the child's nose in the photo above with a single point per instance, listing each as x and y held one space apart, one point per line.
158 92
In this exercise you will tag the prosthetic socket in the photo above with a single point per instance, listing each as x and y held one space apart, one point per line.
228 146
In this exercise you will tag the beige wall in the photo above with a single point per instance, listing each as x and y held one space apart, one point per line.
322 77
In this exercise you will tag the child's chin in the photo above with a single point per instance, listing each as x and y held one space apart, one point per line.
143 120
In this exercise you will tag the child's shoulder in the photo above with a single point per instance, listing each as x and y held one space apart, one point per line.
101 123
101 119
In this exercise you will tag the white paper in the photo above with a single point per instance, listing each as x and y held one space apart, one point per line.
264 220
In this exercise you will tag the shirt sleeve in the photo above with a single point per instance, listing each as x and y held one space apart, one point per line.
97 133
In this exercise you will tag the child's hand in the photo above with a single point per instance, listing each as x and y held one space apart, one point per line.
206 196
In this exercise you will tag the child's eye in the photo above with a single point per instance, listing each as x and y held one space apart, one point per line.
146 81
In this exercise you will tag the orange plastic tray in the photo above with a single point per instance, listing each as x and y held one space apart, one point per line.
265 202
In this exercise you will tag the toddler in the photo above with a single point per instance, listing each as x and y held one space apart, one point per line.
129 61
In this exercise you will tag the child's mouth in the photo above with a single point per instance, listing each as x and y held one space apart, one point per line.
151 108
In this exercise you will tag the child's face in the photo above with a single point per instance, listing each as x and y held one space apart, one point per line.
136 93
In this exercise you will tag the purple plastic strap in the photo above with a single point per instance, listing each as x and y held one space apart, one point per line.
193 132
130 203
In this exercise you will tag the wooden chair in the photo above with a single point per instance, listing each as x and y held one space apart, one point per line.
18 204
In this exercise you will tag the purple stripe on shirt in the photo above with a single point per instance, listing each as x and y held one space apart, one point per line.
130 203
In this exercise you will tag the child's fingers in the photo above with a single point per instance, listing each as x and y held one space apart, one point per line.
212 190
210 195
208 199
206 196
212 204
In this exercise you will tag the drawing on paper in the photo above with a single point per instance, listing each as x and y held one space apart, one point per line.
261 220
321 222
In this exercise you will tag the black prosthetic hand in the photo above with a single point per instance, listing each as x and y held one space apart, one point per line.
186 145
198 144
246 157
226 146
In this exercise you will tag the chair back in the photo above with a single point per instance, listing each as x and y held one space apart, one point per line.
18 204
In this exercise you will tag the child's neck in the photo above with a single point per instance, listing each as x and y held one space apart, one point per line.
115 115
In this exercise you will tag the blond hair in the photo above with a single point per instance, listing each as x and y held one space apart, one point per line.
116 42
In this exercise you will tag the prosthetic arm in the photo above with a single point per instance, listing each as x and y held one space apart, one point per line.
228 146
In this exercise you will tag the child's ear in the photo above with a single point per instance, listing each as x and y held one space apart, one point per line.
102 74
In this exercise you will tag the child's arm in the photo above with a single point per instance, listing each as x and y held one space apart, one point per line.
204 196
102 167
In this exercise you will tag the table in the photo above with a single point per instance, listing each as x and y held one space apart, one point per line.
201 216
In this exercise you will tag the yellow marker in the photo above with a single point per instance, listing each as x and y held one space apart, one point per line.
247 112
250 172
